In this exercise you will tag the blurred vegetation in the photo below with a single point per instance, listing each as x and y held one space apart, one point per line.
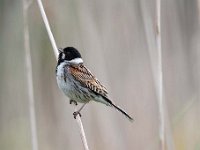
113 41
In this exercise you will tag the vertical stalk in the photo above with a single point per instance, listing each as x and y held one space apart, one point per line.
34 139
160 75
78 119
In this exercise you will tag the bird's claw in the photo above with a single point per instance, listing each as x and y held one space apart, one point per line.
76 113
73 101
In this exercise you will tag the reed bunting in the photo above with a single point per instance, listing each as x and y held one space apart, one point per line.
78 83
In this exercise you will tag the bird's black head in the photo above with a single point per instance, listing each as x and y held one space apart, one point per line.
69 54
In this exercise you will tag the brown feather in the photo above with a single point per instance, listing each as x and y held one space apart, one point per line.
86 78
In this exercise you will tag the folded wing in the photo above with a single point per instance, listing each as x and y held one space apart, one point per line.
87 79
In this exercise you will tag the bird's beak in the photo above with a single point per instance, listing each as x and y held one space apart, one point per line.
60 50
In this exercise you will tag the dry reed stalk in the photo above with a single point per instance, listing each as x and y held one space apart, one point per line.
160 75
34 139
55 49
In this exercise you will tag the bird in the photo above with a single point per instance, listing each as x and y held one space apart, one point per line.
78 83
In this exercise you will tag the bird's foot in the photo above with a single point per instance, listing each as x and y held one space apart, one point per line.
76 113
73 101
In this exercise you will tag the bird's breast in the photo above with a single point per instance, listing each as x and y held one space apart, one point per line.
61 76
60 70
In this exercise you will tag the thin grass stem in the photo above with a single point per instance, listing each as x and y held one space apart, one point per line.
160 75
51 37
28 62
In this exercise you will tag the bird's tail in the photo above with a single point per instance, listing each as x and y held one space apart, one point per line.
123 112
119 109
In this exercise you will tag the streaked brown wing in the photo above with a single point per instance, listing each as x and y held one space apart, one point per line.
85 77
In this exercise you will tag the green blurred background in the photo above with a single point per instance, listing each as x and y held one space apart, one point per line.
117 42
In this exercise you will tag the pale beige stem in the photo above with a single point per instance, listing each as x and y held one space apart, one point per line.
34 139
78 119
160 75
